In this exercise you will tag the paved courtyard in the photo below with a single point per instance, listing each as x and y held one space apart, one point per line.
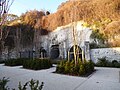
102 79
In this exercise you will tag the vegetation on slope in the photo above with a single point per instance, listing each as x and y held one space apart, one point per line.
87 10
104 15
100 14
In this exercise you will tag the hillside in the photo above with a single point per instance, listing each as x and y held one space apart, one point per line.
104 13
87 10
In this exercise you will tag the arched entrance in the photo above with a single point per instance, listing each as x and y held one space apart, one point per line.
78 50
43 53
54 54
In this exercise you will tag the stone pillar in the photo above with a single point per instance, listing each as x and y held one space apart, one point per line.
65 53
87 50
61 51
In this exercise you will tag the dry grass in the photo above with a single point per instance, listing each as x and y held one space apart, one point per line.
87 10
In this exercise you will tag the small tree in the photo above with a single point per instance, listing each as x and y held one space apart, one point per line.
74 35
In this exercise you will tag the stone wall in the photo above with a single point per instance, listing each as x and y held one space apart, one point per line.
63 36
109 53
6 55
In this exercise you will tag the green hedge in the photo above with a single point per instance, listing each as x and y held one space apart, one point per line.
80 69
37 64
103 62
1 61
15 62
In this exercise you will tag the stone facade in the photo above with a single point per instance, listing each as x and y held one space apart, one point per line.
110 54
56 44
59 45
63 37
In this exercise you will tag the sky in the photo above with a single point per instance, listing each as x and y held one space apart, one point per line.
21 6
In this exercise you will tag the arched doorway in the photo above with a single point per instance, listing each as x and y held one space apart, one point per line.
54 54
43 53
79 52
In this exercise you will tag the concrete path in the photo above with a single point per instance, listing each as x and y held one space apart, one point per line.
102 79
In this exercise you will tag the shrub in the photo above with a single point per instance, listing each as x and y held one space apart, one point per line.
114 63
105 63
117 65
37 64
102 62
61 67
76 68
69 67
82 70
89 66
72 65
14 62
33 84
1 61
3 83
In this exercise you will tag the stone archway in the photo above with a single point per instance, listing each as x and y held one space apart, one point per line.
54 53
71 52
43 53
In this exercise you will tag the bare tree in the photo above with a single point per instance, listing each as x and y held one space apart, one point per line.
75 49
4 8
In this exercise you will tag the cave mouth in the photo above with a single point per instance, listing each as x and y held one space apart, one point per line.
54 54
72 52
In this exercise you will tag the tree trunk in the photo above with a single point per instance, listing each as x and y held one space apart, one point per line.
74 48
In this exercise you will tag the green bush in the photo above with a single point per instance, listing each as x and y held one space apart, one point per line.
1 61
72 65
114 63
89 66
61 67
15 62
37 64
82 70
105 63
102 62
69 67
33 84
117 65
3 83
76 68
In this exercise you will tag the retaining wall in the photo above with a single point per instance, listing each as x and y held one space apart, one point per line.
110 54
